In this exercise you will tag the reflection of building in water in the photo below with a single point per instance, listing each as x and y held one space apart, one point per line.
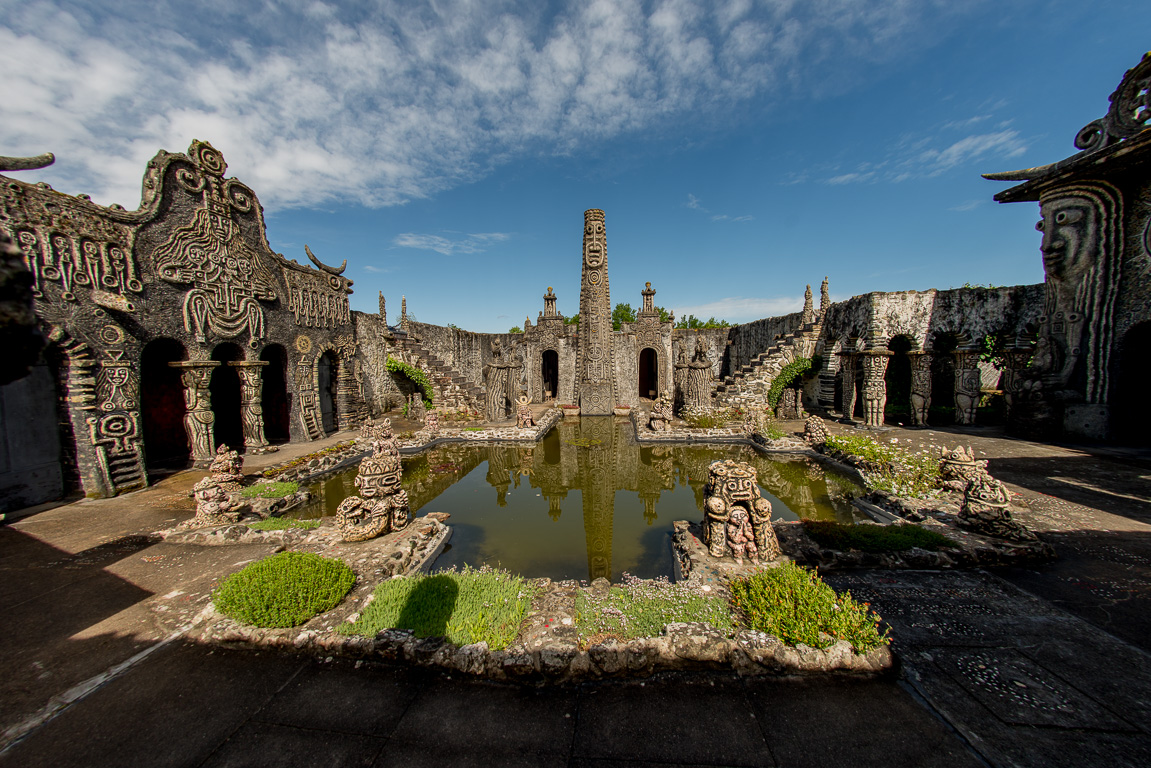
596 467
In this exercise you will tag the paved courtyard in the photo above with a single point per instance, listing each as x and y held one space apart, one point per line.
1020 667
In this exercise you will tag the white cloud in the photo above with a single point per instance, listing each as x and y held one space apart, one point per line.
447 246
970 205
740 309
315 103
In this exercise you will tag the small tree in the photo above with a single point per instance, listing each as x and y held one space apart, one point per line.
515 329
623 313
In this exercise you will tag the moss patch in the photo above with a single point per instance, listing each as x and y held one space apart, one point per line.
638 608
270 490
283 523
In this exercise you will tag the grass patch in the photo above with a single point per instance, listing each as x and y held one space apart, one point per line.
283 523
270 490
874 538
795 605
465 606
284 590
638 608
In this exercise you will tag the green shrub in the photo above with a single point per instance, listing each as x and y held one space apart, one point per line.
795 605
282 523
874 538
787 374
415 375
284 590
270 490
638 608
466 607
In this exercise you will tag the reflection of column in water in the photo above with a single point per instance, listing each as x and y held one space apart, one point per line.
649 500
499 472
596 481
554 502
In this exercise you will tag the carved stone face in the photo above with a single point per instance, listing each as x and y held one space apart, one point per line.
594 243
1070 236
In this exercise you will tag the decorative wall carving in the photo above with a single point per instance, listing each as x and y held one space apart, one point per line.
920 386
198 416
317 301
847 369
874 386
967 385
116 438
228 276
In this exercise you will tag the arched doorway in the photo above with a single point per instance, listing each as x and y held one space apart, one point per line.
327 369
224 388
162 406
898 380
648 373
942 410
550 373
275 400
1131 422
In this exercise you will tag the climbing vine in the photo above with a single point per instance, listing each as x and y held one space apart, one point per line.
787 374
417 377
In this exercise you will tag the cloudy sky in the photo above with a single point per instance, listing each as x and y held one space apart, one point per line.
448 149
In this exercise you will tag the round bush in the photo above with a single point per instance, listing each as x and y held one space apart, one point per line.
284 590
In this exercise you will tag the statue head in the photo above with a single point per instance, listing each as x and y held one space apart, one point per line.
1070 227
379 475
734 482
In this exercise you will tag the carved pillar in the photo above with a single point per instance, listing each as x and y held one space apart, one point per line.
824 300
847 369
808 315
920 386
967 385
251 403
198 419
596 378
1016 360
874 385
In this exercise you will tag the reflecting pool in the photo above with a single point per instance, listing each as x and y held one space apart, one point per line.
586 501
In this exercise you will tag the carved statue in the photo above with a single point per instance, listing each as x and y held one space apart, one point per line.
380 438
660 418
382 505
213 505
790 406
815 431
227 469
432 423
695 378
523 413
967 385
417 411
498 382
737 518
874 387
985 510
957 467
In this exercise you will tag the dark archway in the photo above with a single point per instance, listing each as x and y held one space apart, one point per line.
648 373
225 391
550 372
58 365
327 369
275 398
898 380
942 411
1131 421
162 406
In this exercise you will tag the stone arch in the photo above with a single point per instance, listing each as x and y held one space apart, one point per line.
897 378
647 372
327 369
275 399
225 389
943 345
1131 421
550 373
162 406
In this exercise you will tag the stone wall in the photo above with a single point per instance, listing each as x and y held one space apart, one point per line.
749 339
30 458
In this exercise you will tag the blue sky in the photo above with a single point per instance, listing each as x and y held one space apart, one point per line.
449 149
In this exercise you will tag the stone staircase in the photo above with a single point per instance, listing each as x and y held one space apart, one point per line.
750 384
450 388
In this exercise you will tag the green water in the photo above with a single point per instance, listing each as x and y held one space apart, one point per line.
587 500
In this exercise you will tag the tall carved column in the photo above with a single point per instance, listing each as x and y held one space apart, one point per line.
1016 360
967 385
874 386
251 403
198 419
597 359
920 386
847 369
808 315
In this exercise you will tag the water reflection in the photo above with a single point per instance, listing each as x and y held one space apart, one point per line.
519 512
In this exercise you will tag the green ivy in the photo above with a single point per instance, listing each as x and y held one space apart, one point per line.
788 374
417 377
